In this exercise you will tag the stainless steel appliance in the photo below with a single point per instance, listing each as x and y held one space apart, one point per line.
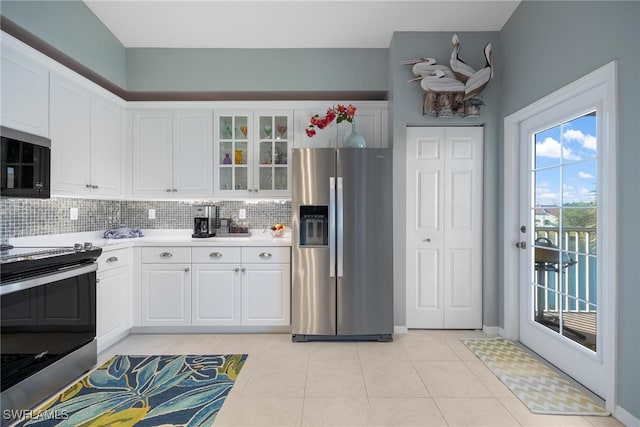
47 322
204 221
25 164
342 273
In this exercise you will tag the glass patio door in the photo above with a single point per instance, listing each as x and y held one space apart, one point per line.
559 287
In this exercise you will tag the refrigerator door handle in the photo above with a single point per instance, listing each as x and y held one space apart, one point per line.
340 226
332 227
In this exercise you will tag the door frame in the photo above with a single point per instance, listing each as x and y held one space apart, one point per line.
604 78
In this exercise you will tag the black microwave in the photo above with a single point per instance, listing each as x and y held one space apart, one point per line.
26 165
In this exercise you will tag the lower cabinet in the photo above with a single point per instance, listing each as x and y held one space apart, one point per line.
113 298
221 286
266 294
216 295
166 294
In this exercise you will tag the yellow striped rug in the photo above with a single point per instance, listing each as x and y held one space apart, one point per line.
538 386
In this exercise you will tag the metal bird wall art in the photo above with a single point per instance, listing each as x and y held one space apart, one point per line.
453 90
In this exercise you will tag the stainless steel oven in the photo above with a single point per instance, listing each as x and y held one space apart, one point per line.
47 322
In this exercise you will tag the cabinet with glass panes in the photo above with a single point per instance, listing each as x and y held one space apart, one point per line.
252 151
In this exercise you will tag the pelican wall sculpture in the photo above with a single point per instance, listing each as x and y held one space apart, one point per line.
453 90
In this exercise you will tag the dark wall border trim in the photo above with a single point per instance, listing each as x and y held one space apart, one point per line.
57 55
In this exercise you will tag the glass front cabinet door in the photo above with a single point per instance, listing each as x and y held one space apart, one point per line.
252 153
232 155
272 151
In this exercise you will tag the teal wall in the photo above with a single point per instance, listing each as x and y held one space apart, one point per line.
406 110
71 27
546 45
256 69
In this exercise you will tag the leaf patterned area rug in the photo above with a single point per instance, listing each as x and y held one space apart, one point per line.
145 391
539 387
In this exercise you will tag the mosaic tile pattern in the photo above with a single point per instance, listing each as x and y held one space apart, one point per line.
33 217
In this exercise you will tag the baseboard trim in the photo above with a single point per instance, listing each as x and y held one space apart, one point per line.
625 417
400 330
490 330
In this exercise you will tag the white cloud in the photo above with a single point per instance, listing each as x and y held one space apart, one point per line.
551 148
587 141
585 175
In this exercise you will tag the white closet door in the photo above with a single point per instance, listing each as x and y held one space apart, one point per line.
444 227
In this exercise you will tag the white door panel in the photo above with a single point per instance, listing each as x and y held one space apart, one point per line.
444 227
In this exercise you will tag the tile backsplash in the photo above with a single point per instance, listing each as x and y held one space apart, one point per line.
33 217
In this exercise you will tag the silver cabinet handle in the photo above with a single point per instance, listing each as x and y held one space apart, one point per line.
243 269
88 185
265 255
236 269
97 281
215 255
112 259
426 240
166 254
186 270
95 187
174 190
168 190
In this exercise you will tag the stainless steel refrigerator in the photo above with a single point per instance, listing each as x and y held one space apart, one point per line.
342 270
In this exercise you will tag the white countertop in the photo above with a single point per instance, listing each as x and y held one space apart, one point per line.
154 237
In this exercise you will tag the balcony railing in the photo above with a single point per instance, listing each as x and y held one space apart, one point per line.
570 286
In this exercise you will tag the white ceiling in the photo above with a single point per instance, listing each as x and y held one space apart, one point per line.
290 24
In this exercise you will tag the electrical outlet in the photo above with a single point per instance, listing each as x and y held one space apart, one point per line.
73 214
152 214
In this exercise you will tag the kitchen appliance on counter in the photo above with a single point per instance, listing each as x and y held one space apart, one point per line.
47 322
342 266
204 221
25 169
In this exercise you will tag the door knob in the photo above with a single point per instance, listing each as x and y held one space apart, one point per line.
521 245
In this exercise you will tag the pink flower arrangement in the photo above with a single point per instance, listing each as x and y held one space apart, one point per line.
340 112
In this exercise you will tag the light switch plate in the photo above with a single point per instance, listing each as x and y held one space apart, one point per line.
73 214
152 214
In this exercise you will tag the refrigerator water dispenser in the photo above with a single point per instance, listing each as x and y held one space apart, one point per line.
314 226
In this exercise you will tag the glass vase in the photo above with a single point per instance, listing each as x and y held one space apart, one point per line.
355 139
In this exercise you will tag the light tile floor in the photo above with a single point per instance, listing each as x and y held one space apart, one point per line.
423 378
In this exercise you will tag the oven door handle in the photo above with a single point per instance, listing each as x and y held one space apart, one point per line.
32 282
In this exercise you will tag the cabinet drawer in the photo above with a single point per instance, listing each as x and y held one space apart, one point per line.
270 254
216 255
169 255
113 259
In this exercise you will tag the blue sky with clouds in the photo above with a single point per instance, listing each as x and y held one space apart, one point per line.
565 162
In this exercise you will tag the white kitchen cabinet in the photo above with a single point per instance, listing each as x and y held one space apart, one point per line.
172 153
266 286
371 121
166 286
216 295
113 296
25 93
86 143
266 294
252 151
247 286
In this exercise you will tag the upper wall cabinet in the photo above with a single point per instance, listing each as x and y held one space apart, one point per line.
251 154
86 141
25 93
172 153
371 120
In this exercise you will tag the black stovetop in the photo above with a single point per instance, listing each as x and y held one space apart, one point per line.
25 261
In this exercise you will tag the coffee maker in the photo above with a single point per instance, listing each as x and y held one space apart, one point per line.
204 221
